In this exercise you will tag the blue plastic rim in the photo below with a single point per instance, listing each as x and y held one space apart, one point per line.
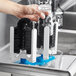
39 61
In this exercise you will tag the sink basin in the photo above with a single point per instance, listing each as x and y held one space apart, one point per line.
63 65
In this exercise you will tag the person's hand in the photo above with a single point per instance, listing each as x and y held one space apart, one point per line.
32 12
22 11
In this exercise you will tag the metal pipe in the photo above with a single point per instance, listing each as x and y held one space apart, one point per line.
67 31
67 4
70 13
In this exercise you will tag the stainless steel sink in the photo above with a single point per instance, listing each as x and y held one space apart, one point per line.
63 65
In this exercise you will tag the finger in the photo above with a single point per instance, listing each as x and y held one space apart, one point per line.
32 17
46 13
31 9
35 6
40 14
